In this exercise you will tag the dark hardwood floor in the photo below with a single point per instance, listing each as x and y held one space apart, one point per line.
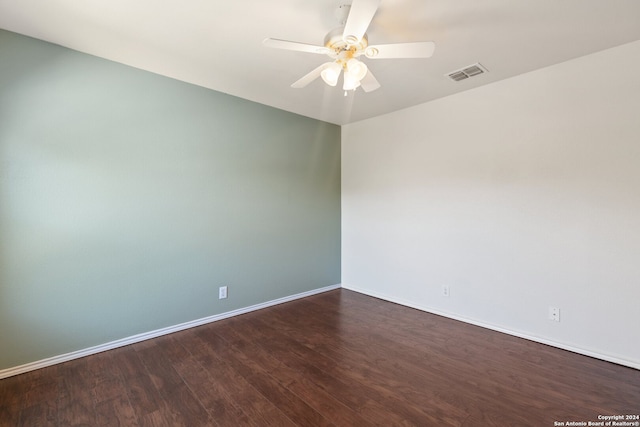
338 358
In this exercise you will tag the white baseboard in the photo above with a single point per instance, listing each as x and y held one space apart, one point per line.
9 372
590 353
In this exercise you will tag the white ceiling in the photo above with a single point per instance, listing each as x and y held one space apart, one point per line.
218 44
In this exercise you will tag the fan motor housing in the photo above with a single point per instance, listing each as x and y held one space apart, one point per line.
335 42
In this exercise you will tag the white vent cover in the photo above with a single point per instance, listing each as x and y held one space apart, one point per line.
466 72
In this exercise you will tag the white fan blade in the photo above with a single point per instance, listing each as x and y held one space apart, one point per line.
311 76
288 45
359 18
401 50
369 83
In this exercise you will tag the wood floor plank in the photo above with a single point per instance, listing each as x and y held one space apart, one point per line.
171 397
287 401
338 358
115 412
232 385
255 346
13 389
10 415
160 370
503 372
374 383
75 401
43 414
509 366
128 362
140 390
43 390
185 408
223 409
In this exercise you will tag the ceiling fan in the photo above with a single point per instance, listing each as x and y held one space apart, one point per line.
345 44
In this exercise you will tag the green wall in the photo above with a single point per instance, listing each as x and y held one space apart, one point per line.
128 198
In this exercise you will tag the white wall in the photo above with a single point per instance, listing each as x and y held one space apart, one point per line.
519 195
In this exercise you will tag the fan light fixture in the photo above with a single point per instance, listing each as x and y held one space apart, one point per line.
351 81
357 68
354 71
331 73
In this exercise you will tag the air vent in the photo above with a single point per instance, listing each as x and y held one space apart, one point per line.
458 76
466 72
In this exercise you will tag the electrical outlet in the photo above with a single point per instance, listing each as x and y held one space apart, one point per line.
446 291
222 292
554 314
